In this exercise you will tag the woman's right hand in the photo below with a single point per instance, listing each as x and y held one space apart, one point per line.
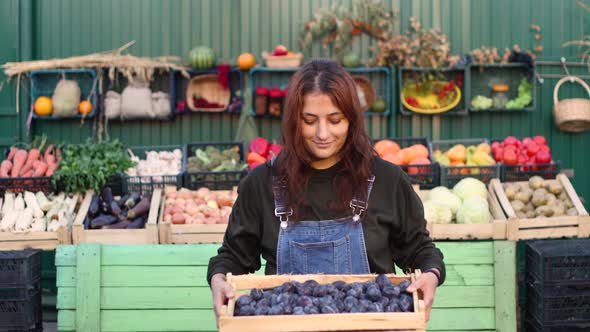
221 292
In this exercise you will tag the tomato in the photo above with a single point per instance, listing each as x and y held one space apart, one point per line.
540 140
532 148
511 140
543 157
510 157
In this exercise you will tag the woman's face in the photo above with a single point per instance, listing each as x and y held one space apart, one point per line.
324 129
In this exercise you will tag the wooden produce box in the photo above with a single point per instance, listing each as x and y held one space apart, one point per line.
38 240
495 229
544 227
188 233
406 321
146 235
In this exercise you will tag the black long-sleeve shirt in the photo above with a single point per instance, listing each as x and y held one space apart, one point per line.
394 226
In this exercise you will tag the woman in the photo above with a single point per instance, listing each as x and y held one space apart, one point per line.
307 211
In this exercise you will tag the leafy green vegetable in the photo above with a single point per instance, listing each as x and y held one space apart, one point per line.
90 165
525 96
480 102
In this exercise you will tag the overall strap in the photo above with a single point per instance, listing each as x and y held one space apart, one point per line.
281 197
357 201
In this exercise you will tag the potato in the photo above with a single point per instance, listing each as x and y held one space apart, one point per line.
536 182
517 205
523 196
529 207
569 204
555 188
571 212
540 191
558 210
551 199
539 198
544 211
521 214
563 196
530 214
511 191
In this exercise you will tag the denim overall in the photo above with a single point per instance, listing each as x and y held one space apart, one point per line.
327 246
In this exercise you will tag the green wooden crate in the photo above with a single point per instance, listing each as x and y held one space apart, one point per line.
164 288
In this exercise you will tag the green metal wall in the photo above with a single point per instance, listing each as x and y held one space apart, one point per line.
35 29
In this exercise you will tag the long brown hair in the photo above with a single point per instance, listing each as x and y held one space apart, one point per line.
294 162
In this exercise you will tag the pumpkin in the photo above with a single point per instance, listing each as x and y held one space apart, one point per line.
421 150
351 60
43 106
394 158
246 61
85 107
201 57
386 146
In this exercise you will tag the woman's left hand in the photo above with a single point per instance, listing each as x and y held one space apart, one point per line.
426 283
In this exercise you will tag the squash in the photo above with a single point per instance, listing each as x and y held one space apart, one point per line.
201 57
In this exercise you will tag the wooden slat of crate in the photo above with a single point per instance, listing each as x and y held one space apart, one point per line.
414 321
186 234
495 229
37 240
147 235
544 227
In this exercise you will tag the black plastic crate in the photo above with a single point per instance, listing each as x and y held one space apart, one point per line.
225 180
20 292
565 262
521 172
115 182
20 184
427 176
146 184
21 314
19 268
553 304
532 325
450 175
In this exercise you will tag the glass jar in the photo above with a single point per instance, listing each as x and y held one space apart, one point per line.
260 101
500 95
275 102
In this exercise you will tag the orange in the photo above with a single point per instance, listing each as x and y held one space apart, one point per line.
85 107
419 170
386 146
409 154
421 150
43 106
394 158
246 61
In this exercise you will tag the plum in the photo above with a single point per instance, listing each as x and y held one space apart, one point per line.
311 310
329 309
373 293
298 311
263 303
319 291
256 294
288 287
276 310
391 291
353 292
339 284
310 283
274 300
375 307
350 302
304 301
283 298
383 281
393 307
384 301
406 303
404 284
244 300
247 310
261 311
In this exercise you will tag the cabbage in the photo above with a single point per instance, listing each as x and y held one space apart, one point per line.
444 196
470 187
436 213
473 211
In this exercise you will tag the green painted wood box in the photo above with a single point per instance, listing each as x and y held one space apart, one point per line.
163 288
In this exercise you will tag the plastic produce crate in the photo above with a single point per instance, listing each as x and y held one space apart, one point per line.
225 180
25 314
20 184
20 292
523 172
427 176
554 304
19 268
532 325
565 262
450 175
43 83
146 184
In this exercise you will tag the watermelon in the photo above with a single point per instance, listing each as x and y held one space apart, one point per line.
201 57
351 60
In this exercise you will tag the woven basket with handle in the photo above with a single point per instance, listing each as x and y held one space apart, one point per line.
572 115
207 86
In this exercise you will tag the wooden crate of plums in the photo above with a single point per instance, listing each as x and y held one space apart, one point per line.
312 302
541 209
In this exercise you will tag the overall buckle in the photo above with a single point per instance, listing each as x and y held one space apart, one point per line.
284 216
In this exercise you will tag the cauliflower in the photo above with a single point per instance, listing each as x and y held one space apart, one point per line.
437 213
474 210
470 187
443 196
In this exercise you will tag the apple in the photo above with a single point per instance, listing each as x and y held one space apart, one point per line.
280 50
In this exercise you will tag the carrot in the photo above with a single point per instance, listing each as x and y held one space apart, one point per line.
28 174
48 151
50 159
11 153
31 158
5 168
20 157
51 169
58 154
40 169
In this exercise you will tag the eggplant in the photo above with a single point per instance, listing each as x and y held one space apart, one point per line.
87 222
120 225
140 208
132 200
103 206
114 209
138 222
94 206
103 220
122 201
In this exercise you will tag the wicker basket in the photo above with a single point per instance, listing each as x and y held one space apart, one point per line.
284 61
369 91
572 115
208 87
